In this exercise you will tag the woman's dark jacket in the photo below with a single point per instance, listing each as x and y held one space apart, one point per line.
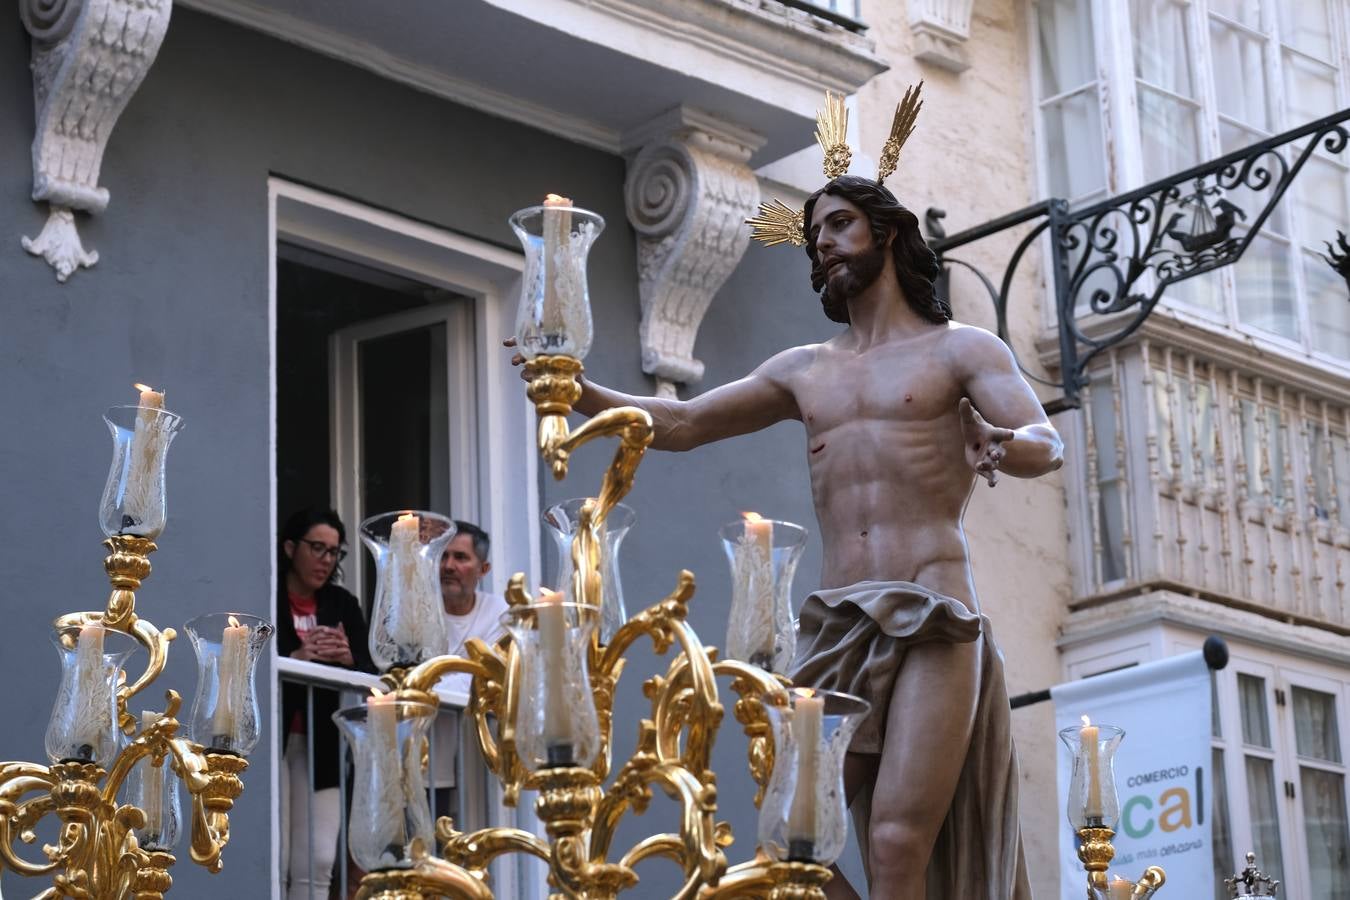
333 605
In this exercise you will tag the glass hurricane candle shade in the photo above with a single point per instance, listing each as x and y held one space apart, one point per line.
804 816
556 723
1116 889
407 624
133 498
555 308
763 556
1093 802
225 715
562 521
155 791
389 791
83 726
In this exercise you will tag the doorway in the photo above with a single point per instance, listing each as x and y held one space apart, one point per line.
375 395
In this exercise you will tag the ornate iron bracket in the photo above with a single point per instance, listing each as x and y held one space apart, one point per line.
1117 257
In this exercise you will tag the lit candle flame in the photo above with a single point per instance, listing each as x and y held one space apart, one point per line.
752 517
142 387
234 623
1086 721
557 200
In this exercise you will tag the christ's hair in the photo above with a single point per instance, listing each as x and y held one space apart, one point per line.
916 266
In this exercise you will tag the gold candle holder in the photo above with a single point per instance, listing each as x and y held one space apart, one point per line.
580 805
98 855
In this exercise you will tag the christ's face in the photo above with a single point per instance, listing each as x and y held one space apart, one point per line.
845 251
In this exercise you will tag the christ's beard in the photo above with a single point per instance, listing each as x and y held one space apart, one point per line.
860 273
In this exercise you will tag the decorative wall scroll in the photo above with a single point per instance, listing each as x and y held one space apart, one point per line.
688 191
89 57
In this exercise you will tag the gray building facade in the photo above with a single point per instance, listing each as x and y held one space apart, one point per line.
182 298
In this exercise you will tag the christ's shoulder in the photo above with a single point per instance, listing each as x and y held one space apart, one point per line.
792 360
971 349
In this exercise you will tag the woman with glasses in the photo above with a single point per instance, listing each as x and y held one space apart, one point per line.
317 621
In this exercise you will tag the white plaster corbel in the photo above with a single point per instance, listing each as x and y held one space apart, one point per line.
688 192
88 59
941 29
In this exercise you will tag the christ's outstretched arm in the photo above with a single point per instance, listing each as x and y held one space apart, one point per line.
749 404
1027 445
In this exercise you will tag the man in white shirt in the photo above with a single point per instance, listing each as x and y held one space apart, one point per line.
469 613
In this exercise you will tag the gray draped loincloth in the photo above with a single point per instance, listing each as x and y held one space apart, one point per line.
854 640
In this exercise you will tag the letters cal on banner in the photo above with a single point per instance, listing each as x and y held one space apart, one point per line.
1162 771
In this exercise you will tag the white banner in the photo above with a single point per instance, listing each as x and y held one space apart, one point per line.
1162 771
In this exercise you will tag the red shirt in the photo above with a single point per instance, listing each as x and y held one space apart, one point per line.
304 614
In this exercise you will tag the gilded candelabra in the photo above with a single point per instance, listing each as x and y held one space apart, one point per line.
110 847
516 696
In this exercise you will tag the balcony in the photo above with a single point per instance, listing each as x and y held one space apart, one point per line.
594 71
1213 471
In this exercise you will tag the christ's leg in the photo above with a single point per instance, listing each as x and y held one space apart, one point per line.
928 729
860 773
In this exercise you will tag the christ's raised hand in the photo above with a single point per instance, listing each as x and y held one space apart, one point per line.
984 442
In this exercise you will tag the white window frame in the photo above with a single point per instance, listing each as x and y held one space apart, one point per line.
1122 147
508 472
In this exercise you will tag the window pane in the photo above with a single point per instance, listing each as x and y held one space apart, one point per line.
1264 816
1323 201
1328 308
1239 76
1252 701
1162 53
1304 24
1265 291
1247 12
1185 424
1324 475
1223 839
1309 90
1168 133
1236 137
1066 48
1315 728
1110 513
1268 457
1327 833
1204 291
1073 145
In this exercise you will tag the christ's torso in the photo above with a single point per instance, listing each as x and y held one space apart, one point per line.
888 472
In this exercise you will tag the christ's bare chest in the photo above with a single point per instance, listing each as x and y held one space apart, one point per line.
889 386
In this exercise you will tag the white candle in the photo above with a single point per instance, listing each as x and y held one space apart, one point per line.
152 794
1120 889
807 712
557 231
415 603
382 730
759 540
93 690
143 486
558 730
1092 759
231 671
